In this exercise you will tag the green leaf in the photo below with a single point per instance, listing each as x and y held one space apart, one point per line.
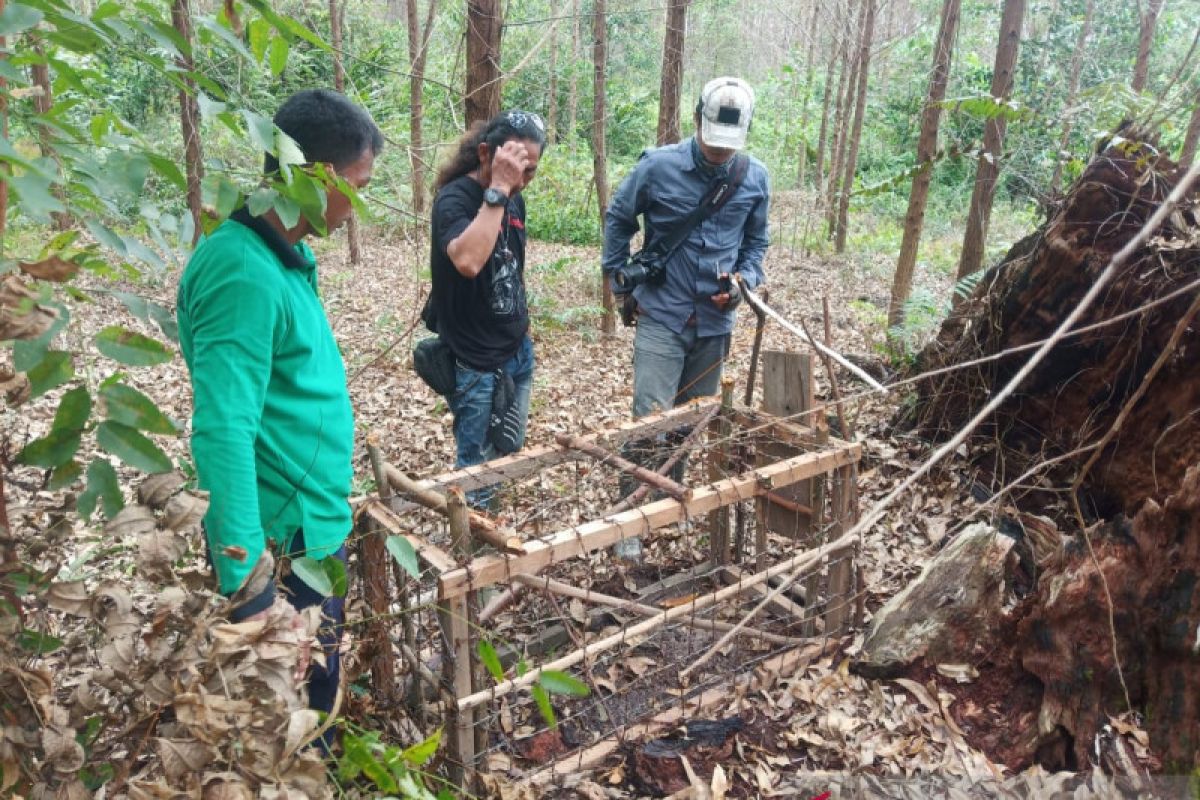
310 195
335 571
543 703
150 311
419 754
93 777
487 654
310 571
17 17
34 195
130 348
52 450
561 683
38 642
64 475
107 237
28 353
357 751
261 130
288 211
278 56
402 550
132 447
128 406
209 108
261 200
102 484
73 410
54 370
287 151
169 170
258 32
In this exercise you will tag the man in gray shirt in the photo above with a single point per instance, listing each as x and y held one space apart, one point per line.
684 320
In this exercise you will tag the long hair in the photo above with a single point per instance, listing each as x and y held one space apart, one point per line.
504 127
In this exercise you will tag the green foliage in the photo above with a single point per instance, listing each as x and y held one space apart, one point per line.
402 550
391 770
325 576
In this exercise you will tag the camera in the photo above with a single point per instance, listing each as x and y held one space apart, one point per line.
641 268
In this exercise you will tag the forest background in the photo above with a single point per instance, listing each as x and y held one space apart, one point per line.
130 127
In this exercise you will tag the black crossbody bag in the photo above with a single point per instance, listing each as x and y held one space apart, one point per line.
714 200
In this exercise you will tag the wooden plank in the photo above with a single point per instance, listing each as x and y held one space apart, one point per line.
454 613
790 432
732 576
525 463
598 534
839 602
788 393
588 758
428 552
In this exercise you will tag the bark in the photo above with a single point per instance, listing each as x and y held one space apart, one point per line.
802 154
484 30
189 115
43 103
608 321
552 107
980 209
418 51
1072 93
337 18
914 218
1188 153
672 72
819 172
1147 22
860 107
841 120
1143 492
573 83
4 168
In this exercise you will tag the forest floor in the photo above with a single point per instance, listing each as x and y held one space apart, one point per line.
821 723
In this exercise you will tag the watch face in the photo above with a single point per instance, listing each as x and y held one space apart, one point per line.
494 197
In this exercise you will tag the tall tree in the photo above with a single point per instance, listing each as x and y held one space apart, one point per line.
672 72
841 120
608 321
1072 93
337 18
860 107
4 168
914 218
810 47
823 136
418 51
980 209
573 81
1148 12
484 29
189 114
43 103
1188 153
552 108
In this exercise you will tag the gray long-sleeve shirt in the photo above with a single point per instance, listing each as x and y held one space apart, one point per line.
665 186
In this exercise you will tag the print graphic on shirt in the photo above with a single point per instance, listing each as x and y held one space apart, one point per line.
507 295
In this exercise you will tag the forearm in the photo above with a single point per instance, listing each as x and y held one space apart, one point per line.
470 251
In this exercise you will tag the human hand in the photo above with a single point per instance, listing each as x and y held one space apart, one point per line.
730 296
508 166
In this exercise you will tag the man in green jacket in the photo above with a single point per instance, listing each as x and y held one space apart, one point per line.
272 427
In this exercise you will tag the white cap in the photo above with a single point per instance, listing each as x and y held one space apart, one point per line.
726 105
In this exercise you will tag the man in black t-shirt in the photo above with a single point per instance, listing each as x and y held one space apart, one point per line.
478 304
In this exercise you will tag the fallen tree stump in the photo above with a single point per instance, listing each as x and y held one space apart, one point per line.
1113 622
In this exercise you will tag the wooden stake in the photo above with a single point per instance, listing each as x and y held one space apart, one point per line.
841 573
719 520
653 479
456 632
376 593
688 443
480 526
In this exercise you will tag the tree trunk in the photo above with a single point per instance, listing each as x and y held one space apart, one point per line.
1188 153
418 51
1139 381
980 210
4 168
860 108
802 154
846 86
573 82
552 106
1147 22
672 72
43 103
189 115
608 321
1072 93
337 18
822 137
914 218
484 29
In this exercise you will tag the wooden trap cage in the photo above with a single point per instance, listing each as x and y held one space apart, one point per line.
731 504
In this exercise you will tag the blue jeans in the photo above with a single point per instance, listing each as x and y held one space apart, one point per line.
670 368
472 404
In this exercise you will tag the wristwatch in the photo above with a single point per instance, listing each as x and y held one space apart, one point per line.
494 197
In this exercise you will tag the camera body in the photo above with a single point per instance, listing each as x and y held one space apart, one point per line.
641 268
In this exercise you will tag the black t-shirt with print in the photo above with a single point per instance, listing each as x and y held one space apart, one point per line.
482 319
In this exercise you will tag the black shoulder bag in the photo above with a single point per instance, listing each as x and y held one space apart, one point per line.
652 261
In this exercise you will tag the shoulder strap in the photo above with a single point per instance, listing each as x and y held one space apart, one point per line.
714 199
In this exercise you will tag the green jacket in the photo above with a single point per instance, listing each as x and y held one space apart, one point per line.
272 427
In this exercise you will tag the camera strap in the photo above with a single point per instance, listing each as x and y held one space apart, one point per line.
718 194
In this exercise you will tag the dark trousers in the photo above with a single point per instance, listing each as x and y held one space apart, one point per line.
322 681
